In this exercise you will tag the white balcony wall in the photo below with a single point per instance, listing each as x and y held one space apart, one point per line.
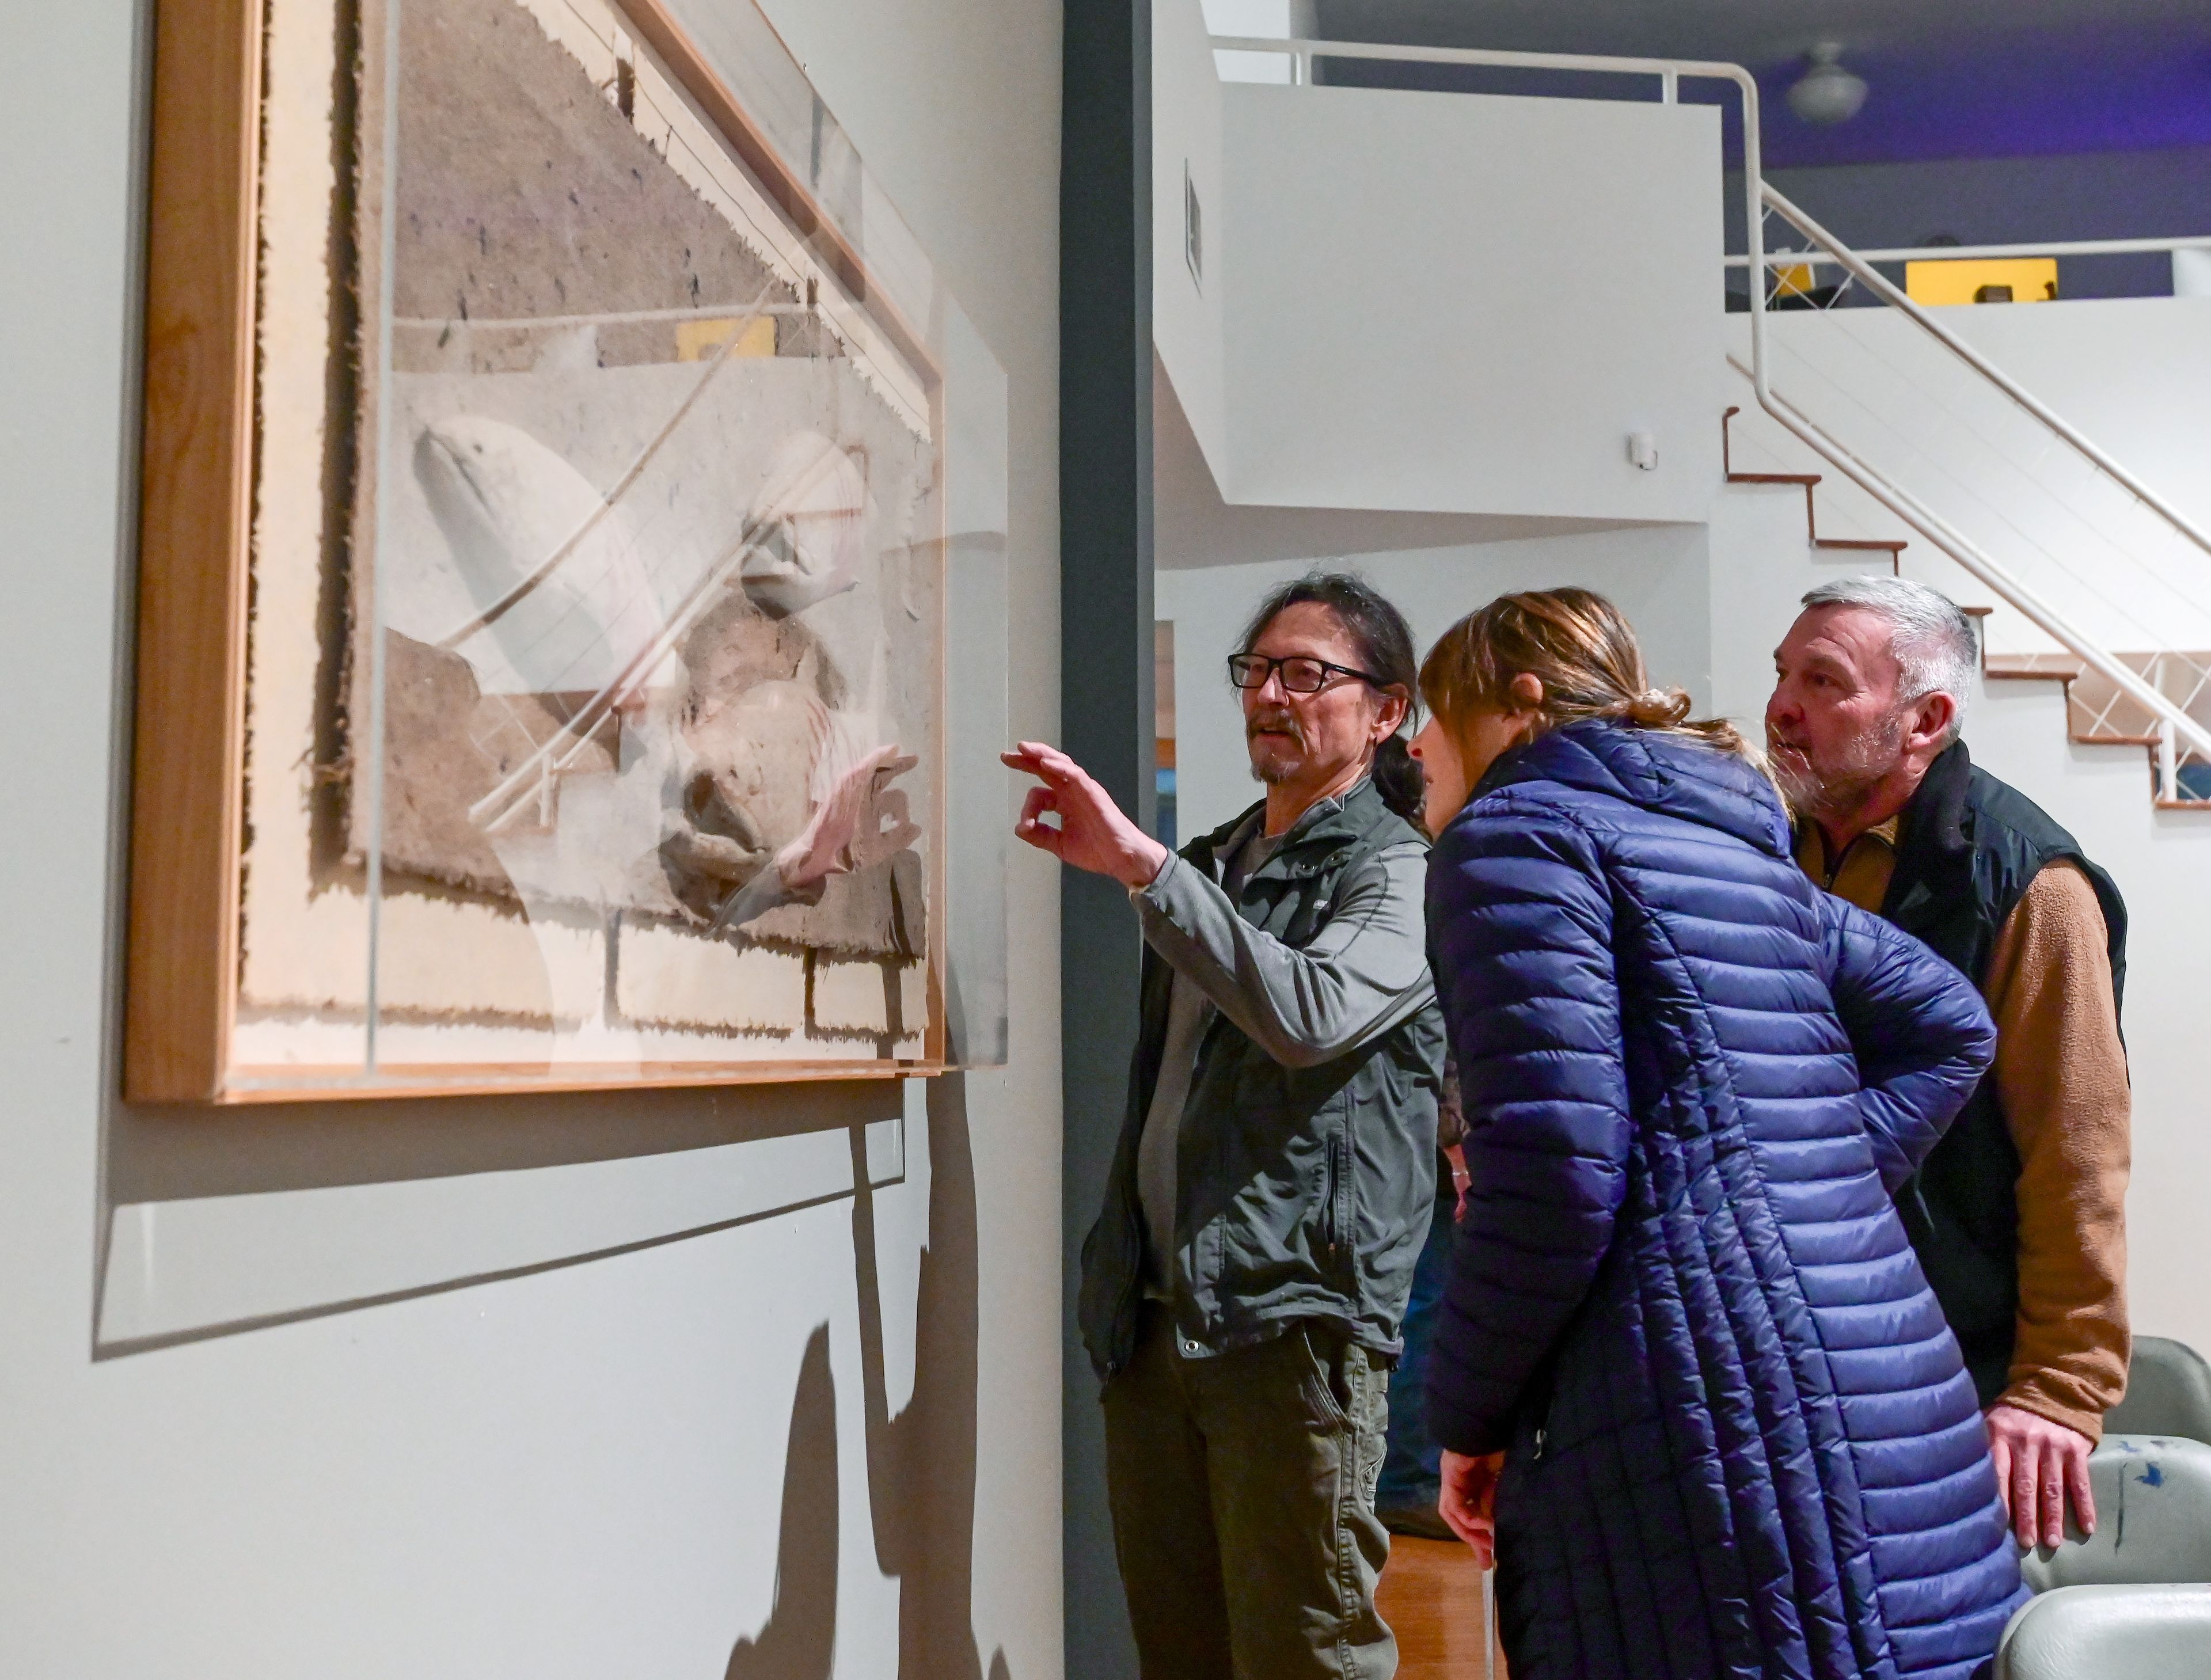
1186 168
1465 304
1436 302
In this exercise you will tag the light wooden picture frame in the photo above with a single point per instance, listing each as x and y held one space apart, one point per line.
548 501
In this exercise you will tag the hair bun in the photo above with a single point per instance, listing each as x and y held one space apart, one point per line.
1659 708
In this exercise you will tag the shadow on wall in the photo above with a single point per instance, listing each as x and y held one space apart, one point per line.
223 1221
921 1463
800 1638
158 1152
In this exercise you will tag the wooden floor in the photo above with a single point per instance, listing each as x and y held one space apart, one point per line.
1431 1597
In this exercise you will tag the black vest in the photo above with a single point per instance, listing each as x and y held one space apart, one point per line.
1969 844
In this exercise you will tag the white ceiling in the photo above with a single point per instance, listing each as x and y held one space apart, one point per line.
1192 526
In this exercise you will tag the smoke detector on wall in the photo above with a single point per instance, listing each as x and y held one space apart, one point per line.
1827 94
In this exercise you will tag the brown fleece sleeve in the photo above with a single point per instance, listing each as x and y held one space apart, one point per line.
2060 1074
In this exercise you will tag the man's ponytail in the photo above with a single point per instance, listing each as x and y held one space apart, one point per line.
1397 778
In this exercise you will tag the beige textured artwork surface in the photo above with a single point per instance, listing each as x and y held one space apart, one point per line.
595 551
850 997
762 991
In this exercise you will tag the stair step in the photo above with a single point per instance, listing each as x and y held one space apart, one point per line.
2048 667
2090 698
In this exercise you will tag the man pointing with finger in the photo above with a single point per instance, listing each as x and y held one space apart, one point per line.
1243 1288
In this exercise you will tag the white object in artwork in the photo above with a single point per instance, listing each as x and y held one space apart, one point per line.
564 605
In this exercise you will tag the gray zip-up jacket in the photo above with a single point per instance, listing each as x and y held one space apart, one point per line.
1305 1161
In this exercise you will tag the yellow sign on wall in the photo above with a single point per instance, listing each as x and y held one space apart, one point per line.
1983 280
696 340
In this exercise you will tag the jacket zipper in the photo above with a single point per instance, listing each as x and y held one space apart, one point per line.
1337 1175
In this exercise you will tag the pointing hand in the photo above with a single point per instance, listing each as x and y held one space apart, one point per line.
1093 833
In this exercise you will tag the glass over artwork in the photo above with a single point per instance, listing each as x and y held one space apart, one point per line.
627 633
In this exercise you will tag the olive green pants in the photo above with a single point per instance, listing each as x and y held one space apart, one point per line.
1242 1489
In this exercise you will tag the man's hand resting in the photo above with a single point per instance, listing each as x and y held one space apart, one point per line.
1093 833
2039 1464
1469 1503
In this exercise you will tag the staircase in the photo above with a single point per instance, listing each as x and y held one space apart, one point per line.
1757 452
2096 713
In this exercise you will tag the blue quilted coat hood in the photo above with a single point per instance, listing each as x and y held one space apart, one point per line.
1739 1439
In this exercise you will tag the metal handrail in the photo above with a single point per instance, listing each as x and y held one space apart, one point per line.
1968 554
1951 253
1758 195
1889 292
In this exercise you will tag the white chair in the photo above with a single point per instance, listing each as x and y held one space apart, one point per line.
2133 1600
2168 1392
2110 1633
2152 1520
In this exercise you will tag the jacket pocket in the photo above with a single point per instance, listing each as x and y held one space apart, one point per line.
1335 1211
1325 1375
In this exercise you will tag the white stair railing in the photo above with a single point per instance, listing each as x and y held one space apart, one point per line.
2176 727
2174 723
1879 284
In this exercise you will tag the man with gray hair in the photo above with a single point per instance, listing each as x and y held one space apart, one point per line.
2017 1215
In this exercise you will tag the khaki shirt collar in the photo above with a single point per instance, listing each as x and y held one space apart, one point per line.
1862 873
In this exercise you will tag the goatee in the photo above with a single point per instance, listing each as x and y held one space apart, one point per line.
1274 764
1838 791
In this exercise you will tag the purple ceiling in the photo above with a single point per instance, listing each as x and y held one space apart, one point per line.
2123 86
2049 94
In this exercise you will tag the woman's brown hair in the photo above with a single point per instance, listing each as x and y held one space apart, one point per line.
1579 646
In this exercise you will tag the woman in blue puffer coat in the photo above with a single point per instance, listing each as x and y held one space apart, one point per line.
1690 1380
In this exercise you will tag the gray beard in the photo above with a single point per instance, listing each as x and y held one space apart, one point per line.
1274 771
1840 791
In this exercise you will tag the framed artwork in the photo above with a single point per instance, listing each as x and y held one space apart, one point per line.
568 494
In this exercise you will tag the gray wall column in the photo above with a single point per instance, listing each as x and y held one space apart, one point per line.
1105 692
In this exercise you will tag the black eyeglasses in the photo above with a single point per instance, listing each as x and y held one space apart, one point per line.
1300 675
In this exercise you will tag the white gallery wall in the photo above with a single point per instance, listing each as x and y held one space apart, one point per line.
750 1383
1189 277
